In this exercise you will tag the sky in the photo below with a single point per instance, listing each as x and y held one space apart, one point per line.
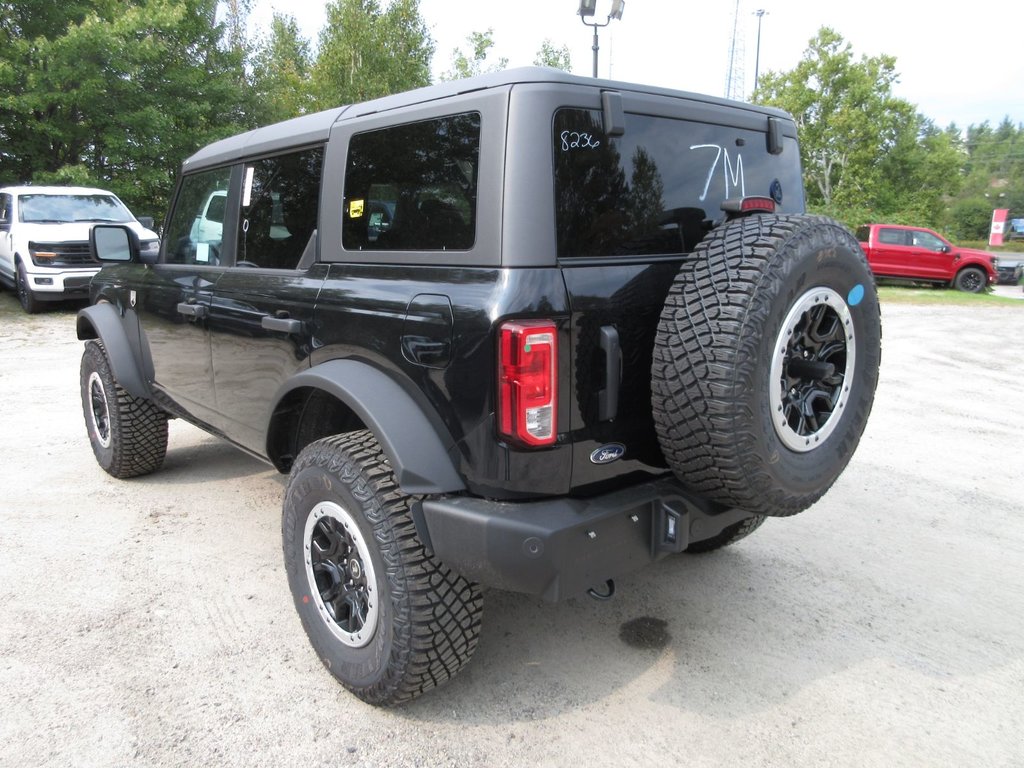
963 67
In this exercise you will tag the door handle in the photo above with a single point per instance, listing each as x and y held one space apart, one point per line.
283 324
608 398
197 311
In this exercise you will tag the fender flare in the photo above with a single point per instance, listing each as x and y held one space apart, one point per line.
131 368
416 450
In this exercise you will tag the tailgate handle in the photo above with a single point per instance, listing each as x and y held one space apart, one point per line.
608 398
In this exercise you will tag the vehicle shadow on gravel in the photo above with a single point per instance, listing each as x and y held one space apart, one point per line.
673 632
193 456
727 634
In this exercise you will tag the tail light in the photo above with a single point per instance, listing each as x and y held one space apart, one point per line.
527 389
751 204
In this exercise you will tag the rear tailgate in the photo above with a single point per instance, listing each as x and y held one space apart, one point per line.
628 209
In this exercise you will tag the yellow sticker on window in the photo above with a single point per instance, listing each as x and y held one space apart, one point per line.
355 209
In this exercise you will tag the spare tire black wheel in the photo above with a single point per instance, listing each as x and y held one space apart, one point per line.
766 361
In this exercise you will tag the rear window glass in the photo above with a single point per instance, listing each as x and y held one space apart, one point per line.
413 187
656 189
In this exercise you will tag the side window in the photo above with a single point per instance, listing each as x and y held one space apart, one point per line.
5 211
413 187
928 240
194 236
892 237
280 202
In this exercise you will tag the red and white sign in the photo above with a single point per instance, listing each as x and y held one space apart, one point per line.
999 216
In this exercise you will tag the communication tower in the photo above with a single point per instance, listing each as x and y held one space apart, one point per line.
735 78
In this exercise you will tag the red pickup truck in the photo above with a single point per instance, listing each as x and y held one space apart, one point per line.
920 255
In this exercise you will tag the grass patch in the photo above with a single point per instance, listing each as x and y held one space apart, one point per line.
892 294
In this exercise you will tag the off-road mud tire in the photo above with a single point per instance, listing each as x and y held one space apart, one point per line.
128 434
716 406
418 622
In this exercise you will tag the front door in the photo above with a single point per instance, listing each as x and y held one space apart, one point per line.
173 300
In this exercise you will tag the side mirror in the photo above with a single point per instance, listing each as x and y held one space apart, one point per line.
146 221
945 249
113 243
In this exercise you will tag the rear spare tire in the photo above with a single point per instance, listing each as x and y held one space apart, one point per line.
766 361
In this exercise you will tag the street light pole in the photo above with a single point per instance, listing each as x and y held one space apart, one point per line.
757 57
587 9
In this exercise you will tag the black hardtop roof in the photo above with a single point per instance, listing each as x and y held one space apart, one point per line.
315 128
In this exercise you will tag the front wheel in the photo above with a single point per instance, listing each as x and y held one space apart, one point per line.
28 299
970 280
385 617
128 434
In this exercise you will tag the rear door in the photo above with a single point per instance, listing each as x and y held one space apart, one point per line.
628 209
888 252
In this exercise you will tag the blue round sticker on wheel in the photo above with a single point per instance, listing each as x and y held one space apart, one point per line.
856 295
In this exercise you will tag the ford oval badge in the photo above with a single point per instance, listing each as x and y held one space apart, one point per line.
608 453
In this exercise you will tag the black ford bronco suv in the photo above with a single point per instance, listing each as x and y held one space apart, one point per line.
527 331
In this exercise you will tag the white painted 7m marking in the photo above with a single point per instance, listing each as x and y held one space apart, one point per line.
733 173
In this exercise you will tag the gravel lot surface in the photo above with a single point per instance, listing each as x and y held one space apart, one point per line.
148 622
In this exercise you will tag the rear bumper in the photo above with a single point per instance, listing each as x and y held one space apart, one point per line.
559 548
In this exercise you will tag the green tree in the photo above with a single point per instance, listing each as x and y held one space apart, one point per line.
970 219
918 175
866 153
472 64
236 20
994 166
114 93
557 58
367 51
281 76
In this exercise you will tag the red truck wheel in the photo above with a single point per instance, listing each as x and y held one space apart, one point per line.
970 280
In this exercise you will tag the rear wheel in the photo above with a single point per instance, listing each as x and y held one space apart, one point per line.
970 280
386 618
766 361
